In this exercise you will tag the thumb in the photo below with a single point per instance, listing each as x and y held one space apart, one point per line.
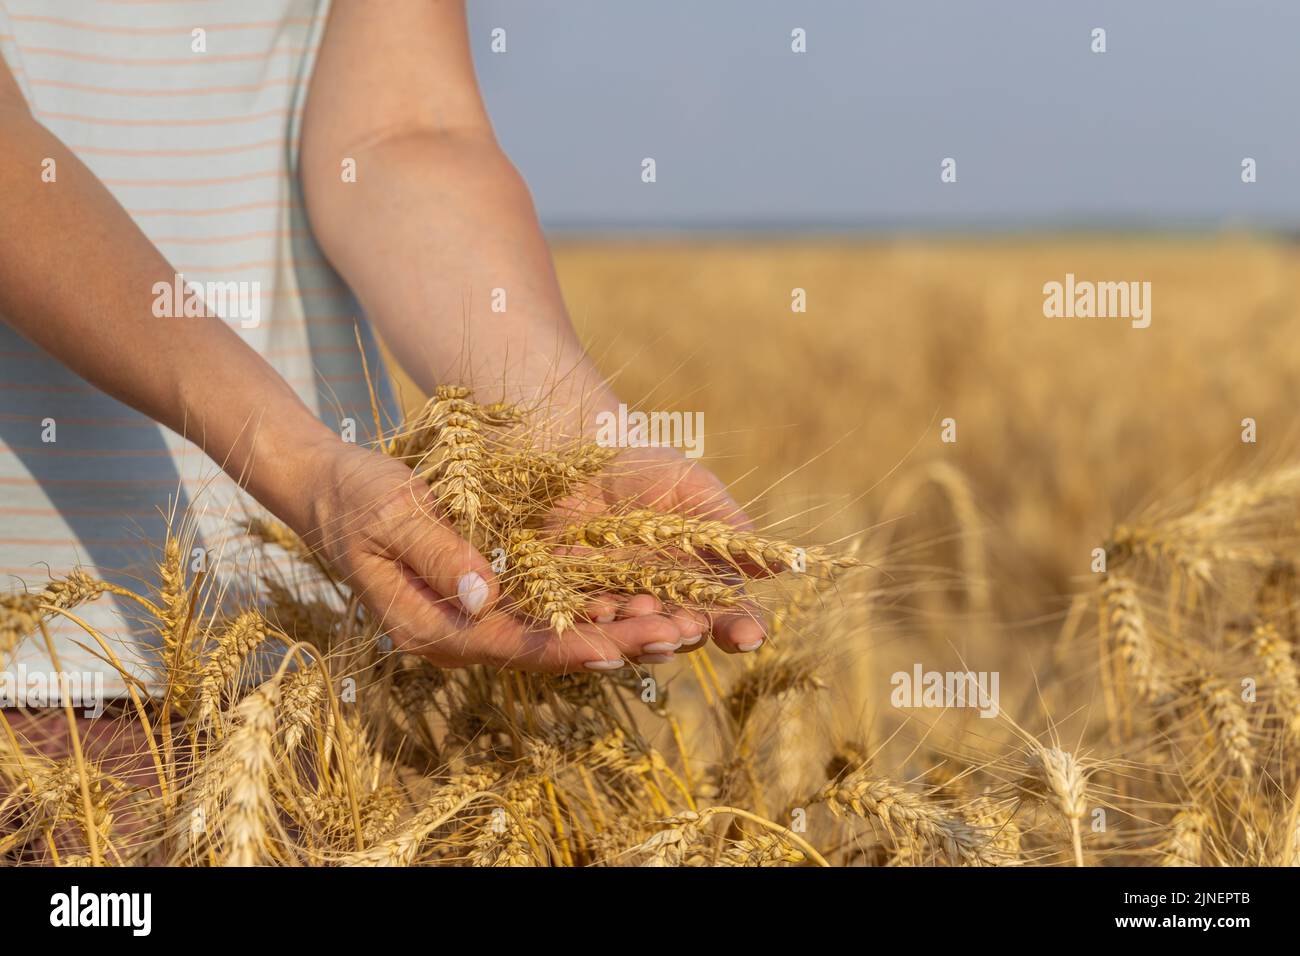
446 562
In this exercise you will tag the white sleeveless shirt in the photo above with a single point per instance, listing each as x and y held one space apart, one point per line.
189 112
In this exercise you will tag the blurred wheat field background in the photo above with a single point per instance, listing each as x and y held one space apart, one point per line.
1149 709
1064 425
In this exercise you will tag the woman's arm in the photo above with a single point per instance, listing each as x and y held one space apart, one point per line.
437 219
77 278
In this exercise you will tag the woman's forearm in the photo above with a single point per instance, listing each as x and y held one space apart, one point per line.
77 278
439 239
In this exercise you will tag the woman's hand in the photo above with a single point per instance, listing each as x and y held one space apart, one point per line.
436 595
443 201
663 479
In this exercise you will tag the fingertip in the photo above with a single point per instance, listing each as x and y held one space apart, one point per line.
690 644
656 629
602 609
690 625
738 633
477 587
630 636
473 592
641 605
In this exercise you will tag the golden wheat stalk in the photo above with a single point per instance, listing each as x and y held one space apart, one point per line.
1282 674
695 535
1185 845
910 816
244 788
21 614
1229 728
1123 609
234 645
534 481
1062 780
534 577
684 586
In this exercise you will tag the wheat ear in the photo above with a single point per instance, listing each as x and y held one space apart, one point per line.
245 782
694 535
1062 780
909 814
1123 609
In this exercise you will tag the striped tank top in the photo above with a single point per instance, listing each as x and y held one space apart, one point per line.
189 112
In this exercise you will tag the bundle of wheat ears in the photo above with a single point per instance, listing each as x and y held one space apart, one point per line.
279 729
506 495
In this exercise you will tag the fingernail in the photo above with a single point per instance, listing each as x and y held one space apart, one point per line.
661 647
613 665
654 659
606 618
751 646
692 641
472 591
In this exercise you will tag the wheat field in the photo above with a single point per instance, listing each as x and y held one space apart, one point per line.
1098 536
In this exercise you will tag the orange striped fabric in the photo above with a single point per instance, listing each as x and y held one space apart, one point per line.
189 112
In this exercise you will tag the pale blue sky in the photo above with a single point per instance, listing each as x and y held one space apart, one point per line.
850 135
